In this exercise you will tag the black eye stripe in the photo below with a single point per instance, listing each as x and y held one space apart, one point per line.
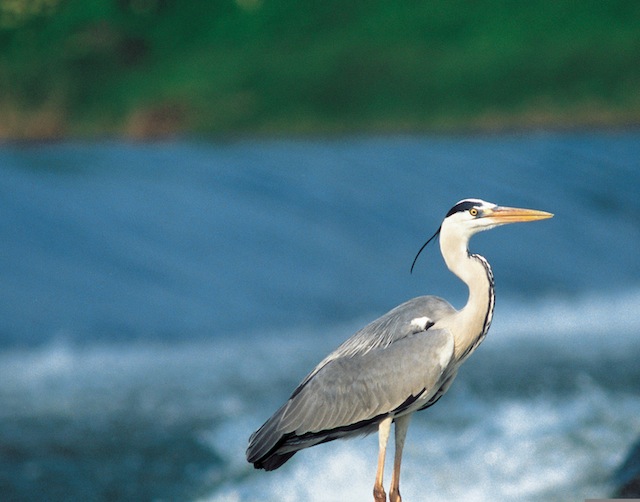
465 205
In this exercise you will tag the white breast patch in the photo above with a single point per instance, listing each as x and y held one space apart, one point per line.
420 323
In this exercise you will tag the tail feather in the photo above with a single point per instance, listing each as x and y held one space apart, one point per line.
273 461
270 447
264 443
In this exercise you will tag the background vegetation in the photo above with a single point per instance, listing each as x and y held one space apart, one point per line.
147 68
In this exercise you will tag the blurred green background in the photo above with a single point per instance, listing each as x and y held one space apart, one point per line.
156 68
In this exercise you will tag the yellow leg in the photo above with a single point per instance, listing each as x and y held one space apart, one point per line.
402 424
384 430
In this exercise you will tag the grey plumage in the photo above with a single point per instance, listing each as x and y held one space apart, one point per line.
368 377
400 363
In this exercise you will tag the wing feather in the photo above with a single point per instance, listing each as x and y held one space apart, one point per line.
392 326
381 368
374 383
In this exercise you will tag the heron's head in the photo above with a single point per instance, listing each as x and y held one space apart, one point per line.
470 216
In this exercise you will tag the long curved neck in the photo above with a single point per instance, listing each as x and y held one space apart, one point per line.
469 325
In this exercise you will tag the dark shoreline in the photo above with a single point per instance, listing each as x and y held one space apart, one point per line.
455 129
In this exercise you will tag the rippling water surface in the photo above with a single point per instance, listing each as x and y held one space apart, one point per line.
159 302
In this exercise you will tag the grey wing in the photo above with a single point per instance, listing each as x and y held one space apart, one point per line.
350 390
351 394
392 326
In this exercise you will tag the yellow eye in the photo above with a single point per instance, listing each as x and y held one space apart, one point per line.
473 211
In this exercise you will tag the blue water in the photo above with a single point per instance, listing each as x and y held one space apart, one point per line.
159 301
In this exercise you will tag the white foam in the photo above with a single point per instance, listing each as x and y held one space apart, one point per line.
588 318
551 445
517 449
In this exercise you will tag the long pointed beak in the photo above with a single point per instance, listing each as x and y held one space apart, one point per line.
502 214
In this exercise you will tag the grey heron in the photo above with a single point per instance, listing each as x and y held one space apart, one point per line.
400 363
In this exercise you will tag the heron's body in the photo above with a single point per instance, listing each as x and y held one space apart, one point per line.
400 363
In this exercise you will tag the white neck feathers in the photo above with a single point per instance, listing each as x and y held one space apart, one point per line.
471 323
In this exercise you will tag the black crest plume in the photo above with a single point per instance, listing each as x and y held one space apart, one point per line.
424 246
